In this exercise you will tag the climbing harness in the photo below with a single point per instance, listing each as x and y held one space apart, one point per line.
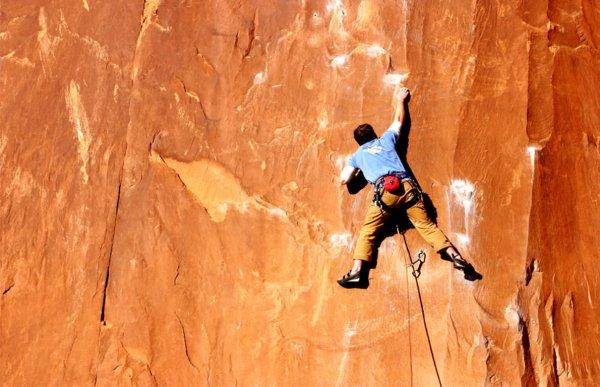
416 266
392 183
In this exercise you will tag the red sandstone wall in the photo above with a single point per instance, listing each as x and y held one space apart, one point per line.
170 212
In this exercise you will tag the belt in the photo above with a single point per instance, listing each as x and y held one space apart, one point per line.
402 176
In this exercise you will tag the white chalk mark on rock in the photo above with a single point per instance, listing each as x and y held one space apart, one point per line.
463 239
336 23
462 192
277 212
341 240
193 96
375 50
341 162
79 119
339 61
323 120
532 152
336 6
395 79
260 78
511 315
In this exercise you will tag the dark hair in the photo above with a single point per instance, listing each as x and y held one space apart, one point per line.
364 133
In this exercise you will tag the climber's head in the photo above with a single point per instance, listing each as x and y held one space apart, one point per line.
364 133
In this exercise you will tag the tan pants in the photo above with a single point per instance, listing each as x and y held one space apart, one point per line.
377 218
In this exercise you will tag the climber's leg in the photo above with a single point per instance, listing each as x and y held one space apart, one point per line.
426 227
438 240
375 219
365 243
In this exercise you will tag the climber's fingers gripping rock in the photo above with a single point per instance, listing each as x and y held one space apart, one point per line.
402 94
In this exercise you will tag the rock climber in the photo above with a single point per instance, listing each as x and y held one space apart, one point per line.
394 189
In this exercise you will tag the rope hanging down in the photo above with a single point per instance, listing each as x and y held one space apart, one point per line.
416 266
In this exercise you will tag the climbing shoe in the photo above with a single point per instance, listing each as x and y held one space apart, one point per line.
359 279
460 264
470 273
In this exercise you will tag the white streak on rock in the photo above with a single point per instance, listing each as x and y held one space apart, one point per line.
86 6
349 332
340 240
463 192
375 50
341 162
46 42
395 79
10 57
463 239
339 61
79 119
260 78
532 152
323 120
511 315
277 212
336 5
193 96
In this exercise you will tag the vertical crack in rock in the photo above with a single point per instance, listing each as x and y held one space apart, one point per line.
251 37
185 344
106 277
528 377
556 373
176 273
539 129
149 9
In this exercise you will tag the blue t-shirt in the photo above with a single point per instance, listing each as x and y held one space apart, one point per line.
378 157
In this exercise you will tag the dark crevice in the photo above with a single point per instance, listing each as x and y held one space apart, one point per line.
107 276
528 377
555 374
251 37
8 289
187 353
176 273
531 268
103 307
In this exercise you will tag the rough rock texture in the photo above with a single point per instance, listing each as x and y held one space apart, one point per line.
170 212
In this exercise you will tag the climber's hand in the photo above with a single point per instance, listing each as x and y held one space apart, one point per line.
403 94
347 173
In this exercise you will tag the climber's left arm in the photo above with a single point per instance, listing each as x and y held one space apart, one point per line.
402 97
347 173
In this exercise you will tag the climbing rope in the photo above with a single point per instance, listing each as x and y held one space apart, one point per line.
416 266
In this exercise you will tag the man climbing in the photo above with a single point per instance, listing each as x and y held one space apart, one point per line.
395 189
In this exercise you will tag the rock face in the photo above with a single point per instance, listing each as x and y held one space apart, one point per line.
171 214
